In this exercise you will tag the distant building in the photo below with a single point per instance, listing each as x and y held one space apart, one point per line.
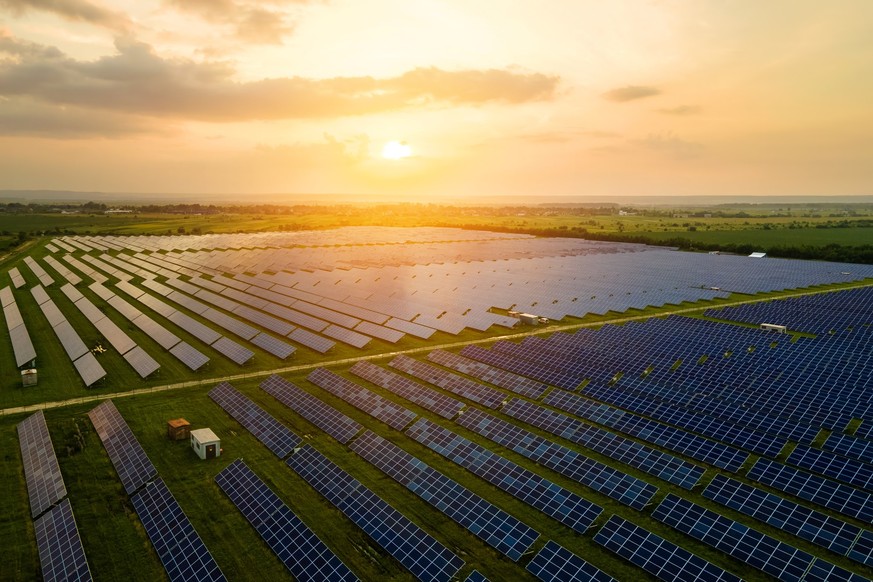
758 255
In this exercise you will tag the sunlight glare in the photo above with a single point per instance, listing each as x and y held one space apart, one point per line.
396 150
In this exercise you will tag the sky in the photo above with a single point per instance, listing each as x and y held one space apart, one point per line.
472 98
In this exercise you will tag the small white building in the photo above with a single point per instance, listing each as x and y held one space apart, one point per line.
205 443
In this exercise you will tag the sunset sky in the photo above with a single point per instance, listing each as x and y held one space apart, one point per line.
487 97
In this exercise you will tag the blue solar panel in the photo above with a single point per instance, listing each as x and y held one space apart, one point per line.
476 576
459 385
657 556
834 466
380 408
322 415
814 526
177 544
750 546
652 461
272 433
45 484
61 555
425 397
302 552
425 557
505 533
855 448
824 492
628 490
538 492
555 562
496 376
129 459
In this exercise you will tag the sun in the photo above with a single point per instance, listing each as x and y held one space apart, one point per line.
396 150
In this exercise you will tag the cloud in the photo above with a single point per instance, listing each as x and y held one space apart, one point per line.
74 10
680 110
670 144
138 81
26 118
630 93
251 22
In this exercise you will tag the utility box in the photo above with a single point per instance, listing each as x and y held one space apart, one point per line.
178 429
528 319
205 443
28 377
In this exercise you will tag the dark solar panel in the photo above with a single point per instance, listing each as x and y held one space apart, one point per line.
555 562
425 397
388 412
657 556
425 557
272 433
189 355
497 528
233 351
45 484
127 456
508 380
538 492
322 415
273 345
447 381
177 544
61 555
302 552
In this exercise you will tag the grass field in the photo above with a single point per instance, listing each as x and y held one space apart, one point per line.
817 237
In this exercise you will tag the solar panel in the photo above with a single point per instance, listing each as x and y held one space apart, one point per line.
124 308
538 492
346 336
624 488
373 404
555 562
61 556
39 294
834 466
302 552
322 415
421 554
21 345
447 381
6 296
235 352
497 528
750 546
425 397
160 334
71 292
17 279
508 380
157 305
127 456
109 330
811 525
13 316
202 332
189 356
657 556
266 321
45 484
272 433
143 363
89 369
414 329
476 576
383 333
273 345
231 324
824 492
177 544
311 340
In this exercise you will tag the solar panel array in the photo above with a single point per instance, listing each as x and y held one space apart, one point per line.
272 433
388 412
508 380
299 548
750 546
657 556
178 545
17 279
61 555
44 278
322 415
624 488
538 492
86 365
421 554
555 562
459 385
500 530
22 346
129 459
45 484
425 397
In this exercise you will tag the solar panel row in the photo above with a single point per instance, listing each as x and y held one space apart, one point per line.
373 404
45 484
459 385
129 459
22 346
497 528
508 380
555 562
538 492
303 553
425 397
425 557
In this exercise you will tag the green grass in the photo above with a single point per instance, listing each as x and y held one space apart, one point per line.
816 237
